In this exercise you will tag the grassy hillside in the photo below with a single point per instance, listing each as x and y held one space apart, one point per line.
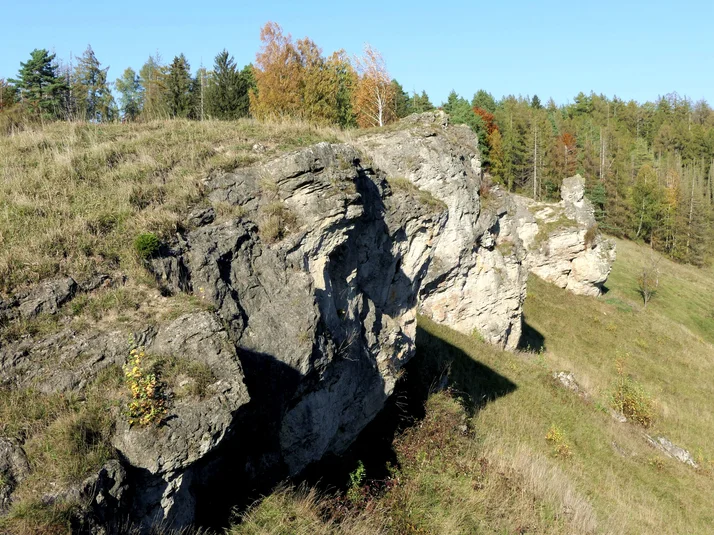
507 449
74 196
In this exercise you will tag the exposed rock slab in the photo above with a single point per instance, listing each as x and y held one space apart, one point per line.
562 242
472 285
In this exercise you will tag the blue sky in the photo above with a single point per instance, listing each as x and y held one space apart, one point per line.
629 48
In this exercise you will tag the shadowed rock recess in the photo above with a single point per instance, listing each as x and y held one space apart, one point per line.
313 287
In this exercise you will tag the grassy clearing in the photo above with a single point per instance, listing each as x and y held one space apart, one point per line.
74 197
510 450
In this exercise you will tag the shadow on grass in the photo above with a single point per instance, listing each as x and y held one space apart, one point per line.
438 364
531 338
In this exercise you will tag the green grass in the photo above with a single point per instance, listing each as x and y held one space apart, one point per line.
510 450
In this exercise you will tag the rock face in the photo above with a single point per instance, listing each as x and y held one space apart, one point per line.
561 239
306 303
317 286
472 285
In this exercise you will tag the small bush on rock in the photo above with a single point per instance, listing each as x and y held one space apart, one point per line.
148 397
146 245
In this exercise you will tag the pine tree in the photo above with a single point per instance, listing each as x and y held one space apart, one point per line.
129 88
179 85
402 102
39 86
90 91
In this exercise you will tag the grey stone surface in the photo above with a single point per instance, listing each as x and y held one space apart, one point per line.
14 467
671 450
472 285
562 242
47 297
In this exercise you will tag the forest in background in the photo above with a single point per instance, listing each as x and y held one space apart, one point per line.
649 167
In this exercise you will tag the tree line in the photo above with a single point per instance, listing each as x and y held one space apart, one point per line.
649 167
289 79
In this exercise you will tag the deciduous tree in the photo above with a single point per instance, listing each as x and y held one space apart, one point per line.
129 88
90 91
374 95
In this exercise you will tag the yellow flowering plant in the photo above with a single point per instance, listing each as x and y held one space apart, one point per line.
148 398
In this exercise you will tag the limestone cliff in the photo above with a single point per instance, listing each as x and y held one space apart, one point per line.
562 242
472 285
307 294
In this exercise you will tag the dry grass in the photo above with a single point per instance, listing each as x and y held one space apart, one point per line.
73 197
66 439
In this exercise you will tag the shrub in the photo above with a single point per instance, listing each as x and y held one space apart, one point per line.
630 399
556 437
148 398
357 477
590 235
146 245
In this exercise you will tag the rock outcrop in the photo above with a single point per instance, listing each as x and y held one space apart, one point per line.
472 285
562 242
306 299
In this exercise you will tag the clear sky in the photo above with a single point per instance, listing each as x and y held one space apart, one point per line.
630 48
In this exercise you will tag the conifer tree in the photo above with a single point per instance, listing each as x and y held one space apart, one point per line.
402 102
420 103
90 91
39 86
179 86
227 89
346 77
7 94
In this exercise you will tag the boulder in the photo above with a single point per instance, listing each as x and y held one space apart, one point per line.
563 245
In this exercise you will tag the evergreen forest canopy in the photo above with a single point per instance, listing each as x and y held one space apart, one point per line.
649 166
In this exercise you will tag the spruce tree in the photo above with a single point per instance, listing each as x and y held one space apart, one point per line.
402 103
179 86
227 91
40 87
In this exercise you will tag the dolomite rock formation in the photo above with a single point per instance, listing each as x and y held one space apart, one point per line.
472 285
309 298
562 243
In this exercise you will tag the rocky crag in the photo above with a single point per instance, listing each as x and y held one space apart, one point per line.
308 300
